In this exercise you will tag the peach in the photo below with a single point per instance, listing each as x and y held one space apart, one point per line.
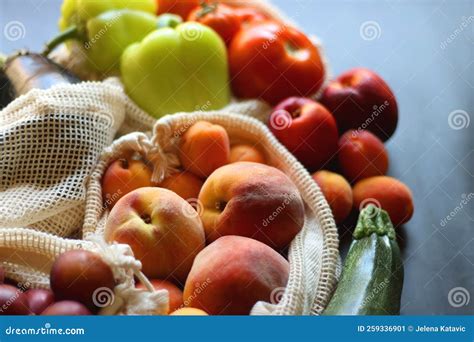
204 147
243 152
13 301
362 155
307 129
360 99
388 193
163 230
253 200
184 183
174 293
233 273
123 176
337 191
77 275
189 312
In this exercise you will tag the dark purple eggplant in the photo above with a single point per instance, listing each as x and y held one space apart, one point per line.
25 71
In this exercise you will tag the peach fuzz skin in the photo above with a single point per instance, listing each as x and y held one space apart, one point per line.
204 147
247 153
392 195
338 193
253 200
163 230
231 274
123 176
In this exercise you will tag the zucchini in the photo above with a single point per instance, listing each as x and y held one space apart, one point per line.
372 277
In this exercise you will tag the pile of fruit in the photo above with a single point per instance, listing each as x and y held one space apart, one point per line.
215 234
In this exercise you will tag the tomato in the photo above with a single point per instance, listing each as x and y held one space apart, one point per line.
221 18
179 7
273 61
249 16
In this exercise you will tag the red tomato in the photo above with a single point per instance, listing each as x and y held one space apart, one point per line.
249 16
179 7
274 61
221 18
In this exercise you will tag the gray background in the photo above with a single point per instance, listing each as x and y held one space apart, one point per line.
424 50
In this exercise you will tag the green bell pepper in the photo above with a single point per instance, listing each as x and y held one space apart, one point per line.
103 29
78 12
177 69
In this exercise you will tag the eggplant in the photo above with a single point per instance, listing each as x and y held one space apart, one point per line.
25 71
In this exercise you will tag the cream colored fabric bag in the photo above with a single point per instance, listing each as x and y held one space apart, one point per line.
313 254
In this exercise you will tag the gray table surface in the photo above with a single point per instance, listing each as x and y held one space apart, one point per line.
425 51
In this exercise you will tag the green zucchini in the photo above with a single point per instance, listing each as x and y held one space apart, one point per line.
372 277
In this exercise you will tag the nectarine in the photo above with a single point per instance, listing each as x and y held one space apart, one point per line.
39 299
189 312
360 99
362 155
233 273
253 200
66 308
13 301
307 129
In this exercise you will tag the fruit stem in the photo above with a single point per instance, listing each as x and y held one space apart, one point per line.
71 32
373 220
206 8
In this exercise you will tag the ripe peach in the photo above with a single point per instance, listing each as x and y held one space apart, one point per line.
77 274
174 293
39 299
362 155
123 176
13 301
233 273
253 200
307 129
204 147
243 152
163 230
189 312
337 191
388 193
66 308
360 99
185 184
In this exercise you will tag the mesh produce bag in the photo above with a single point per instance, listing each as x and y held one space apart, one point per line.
313 254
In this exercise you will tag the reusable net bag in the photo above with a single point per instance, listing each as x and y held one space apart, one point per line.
50 142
